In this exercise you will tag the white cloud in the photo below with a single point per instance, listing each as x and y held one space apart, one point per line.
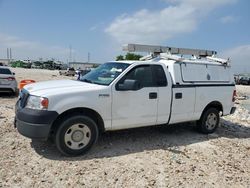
228 19
30 49
183 16
7 40
240 58
96 27
203 5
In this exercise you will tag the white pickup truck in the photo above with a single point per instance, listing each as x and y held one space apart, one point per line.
118 95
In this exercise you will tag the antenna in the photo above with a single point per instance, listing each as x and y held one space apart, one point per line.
166 49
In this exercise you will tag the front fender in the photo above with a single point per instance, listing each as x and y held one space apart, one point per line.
102 105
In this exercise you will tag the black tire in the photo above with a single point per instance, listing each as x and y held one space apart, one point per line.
209 121
68 130
16 93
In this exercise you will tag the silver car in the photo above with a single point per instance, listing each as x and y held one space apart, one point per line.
8 81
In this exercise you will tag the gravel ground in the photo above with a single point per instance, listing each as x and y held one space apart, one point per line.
170 156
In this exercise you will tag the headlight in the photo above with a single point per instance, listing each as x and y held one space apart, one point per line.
38 103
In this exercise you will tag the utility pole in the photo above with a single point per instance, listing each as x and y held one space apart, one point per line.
8 56
88 57
70 53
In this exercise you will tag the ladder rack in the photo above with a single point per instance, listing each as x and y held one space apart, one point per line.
166 49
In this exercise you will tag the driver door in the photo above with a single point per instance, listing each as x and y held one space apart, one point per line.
135 108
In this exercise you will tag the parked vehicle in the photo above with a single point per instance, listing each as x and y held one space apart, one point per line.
8 81
37 65
166 89
21 64
244 81
68 72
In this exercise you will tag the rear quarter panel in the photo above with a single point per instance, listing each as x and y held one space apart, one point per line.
206 95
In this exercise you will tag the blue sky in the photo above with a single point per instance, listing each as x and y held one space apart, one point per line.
47 28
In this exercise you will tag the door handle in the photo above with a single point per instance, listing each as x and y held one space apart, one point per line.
153 95
178 95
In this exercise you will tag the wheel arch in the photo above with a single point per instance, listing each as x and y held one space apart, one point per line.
214 104
95 116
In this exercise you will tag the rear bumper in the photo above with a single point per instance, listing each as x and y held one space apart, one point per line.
232 110
34 124
8 88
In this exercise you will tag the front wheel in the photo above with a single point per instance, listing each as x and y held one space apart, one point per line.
76 135
209 121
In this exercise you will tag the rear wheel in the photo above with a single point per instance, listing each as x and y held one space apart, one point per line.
76 135
16 93
209 121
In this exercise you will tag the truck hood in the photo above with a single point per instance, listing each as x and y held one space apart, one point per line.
60 86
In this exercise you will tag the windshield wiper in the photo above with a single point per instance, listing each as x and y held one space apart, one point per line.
86 80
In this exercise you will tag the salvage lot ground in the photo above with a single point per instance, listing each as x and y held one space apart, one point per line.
170 156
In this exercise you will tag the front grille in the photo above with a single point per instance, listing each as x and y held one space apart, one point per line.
24 95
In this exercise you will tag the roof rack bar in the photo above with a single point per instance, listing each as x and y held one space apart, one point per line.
163 49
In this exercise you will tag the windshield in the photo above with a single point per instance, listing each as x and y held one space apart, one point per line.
105 73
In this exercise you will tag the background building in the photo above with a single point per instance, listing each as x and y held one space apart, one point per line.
5 61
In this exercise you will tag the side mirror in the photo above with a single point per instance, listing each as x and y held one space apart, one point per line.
128 85
13 73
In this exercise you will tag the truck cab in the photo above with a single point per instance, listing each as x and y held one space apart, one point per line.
126 94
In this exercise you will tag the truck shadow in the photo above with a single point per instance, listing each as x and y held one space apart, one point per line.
7 95
119 143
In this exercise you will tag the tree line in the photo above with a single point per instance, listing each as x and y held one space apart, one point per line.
128 56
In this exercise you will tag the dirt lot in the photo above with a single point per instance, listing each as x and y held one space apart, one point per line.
171 156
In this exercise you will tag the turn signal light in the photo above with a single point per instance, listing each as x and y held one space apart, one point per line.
45 103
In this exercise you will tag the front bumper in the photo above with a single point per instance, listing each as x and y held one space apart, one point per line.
33 131
34 124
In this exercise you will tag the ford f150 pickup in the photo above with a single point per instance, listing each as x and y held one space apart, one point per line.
118 95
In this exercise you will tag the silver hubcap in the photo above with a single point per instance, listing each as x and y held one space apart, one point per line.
211 121
77 136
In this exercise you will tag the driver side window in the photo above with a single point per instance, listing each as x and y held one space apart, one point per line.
143 74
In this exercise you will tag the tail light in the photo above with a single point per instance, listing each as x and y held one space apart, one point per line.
234 96
10 78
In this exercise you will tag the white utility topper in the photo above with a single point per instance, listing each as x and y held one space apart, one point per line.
165 87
